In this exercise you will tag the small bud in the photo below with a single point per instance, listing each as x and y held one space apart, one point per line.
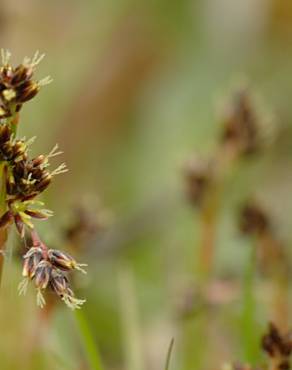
41 215
31 260
44 183
241 124
19 148
5 134
59 282
64 261
61 287
21 74
253 220
198 175
43 274
38 160
27 91
6 73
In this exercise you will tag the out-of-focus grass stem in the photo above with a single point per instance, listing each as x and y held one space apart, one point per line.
248 319
90 346
168 356
130 321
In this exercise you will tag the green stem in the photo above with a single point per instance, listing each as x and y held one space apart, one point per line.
12 121
130 322
248 320
3 206
168 356
88 341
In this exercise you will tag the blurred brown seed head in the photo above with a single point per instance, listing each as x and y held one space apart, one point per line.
253 220
278 346
198 177
87 222
241 124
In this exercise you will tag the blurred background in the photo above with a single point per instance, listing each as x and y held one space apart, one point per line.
138 89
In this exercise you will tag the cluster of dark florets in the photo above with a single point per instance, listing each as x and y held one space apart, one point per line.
278 346
241 124
24 178
17 85
244 132
48 268
199 173
253 220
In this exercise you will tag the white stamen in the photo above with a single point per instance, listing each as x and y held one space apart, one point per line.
37 58
40 299
5 56
29 141
45 81
60 169
34 61
54 152
22 286
72 302
79 267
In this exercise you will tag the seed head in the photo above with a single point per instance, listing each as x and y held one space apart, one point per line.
31 261
198 175
59 282
241 124
17 85
60 285
253 220
64 261
43 274
278 346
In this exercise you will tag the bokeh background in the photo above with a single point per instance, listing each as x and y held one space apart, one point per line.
138 88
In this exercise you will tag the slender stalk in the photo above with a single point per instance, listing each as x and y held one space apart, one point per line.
250 340
276 262
130 321
209 212
207 249
3 231
12 121
168 356
88 341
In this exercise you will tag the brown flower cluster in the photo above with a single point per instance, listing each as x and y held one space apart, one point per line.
47 268
24 178
253 220
242 134
17 85
278 346
241 128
